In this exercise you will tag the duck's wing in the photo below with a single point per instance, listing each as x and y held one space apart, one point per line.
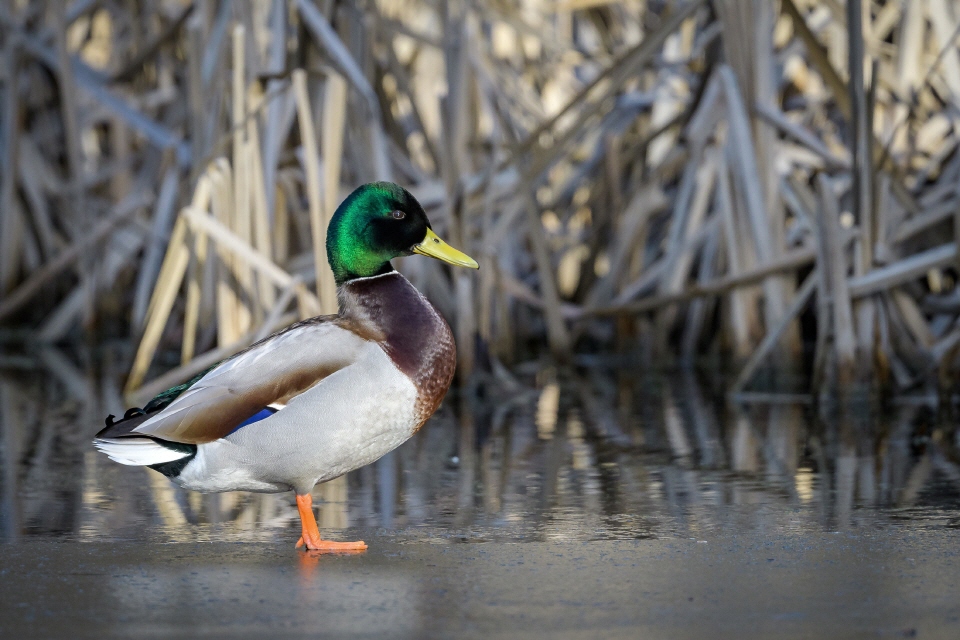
268 373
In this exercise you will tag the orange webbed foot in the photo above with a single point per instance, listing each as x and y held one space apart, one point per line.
332 546
311 534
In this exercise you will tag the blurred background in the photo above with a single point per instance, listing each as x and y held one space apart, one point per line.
699 224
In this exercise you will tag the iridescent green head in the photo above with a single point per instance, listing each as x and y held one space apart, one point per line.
376 223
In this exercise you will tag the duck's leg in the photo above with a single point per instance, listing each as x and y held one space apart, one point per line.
311 534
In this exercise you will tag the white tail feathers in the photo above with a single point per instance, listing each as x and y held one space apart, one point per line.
137 451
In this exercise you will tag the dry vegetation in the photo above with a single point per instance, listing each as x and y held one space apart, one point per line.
669 179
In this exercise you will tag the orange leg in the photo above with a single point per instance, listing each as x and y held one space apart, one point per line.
311 534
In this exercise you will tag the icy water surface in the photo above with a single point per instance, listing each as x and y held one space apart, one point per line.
600 454
597 502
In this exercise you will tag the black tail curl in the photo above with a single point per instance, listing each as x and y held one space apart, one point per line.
130 413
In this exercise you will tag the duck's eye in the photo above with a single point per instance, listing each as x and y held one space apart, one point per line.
398 215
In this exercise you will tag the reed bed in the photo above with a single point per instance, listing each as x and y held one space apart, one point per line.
771 186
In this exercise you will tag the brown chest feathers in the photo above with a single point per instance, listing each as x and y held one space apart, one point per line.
390 310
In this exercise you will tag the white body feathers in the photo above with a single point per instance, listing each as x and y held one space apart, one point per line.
348 420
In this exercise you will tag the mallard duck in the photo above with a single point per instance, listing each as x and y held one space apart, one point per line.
323 396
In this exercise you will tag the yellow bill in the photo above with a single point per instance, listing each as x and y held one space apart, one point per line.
434 247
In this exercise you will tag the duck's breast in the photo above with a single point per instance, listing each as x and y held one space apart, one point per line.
414 335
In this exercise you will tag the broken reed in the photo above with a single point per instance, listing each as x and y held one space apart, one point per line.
707 174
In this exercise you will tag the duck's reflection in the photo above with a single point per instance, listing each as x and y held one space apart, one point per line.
574 455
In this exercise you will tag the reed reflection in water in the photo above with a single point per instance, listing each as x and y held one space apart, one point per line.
598 454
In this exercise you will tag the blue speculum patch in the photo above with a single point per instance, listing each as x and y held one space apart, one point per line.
257 417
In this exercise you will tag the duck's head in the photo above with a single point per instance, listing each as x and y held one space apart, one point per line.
378 222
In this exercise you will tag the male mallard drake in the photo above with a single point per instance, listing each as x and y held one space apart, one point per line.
323 396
